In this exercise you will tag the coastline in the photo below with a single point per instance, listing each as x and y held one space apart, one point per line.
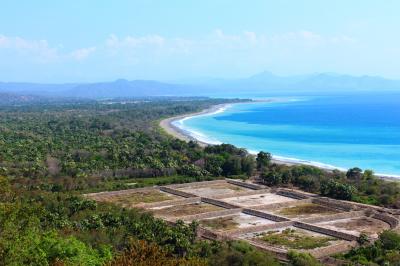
168 126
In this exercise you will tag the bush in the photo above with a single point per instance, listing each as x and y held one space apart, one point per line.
302 259
238 253
390 240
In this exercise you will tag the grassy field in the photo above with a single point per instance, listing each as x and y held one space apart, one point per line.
294 239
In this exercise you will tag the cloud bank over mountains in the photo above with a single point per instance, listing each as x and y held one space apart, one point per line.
264 84
167 57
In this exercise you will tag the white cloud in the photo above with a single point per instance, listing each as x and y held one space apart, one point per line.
217 48
133 42
40 51
82 53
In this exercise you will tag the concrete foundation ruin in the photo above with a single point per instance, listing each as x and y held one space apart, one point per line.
269 219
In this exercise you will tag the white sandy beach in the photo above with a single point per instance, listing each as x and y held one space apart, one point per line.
169 127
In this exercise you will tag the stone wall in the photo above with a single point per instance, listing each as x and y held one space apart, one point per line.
326 231
292 194
207 234
340 247
169 203
194 184
213 214
392 221
335 204
244 184
279 252
220 203
265 215
178 192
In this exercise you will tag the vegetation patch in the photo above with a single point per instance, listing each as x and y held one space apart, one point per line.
306 209
220 223
294 239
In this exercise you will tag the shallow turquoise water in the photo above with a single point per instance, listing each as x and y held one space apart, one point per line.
340 131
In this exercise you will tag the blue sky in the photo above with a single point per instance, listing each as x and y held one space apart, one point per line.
96 40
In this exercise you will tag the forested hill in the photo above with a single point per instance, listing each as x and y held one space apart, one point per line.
13 98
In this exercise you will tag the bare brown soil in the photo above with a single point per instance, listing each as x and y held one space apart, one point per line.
136 197
187 209
220 223
305 209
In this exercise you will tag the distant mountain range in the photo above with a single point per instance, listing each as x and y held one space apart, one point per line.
13 98
262 83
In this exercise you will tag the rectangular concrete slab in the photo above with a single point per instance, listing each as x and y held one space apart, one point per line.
236 221
184 210
370 226
134 198
259 199
302 210
292 238
209 190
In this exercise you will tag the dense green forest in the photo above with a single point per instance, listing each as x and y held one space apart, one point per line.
52 153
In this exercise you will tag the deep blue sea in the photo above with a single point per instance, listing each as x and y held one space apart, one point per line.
340 131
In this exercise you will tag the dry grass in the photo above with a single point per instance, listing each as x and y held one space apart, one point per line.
364 224
140 197
306 209
220 223
187 209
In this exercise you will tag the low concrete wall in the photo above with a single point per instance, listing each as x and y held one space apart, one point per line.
341 247
220 203
213 214
332 217
241 193
335 204
279 252
292 194
207 234
392 221
326 231
244 184
194 184
265 215
178 192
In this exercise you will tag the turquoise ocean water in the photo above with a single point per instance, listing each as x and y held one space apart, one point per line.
339 131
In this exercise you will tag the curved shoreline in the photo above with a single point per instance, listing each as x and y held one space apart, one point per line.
168 126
